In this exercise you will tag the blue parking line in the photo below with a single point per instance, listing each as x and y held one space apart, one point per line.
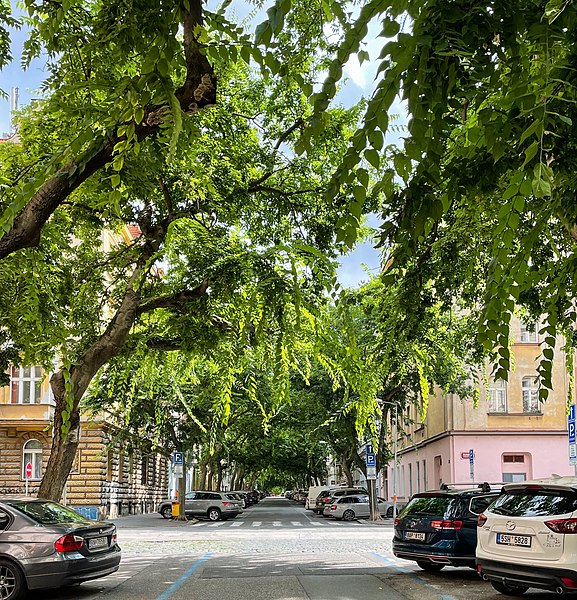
186 575
411 574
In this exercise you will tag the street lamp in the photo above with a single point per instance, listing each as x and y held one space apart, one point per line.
396 406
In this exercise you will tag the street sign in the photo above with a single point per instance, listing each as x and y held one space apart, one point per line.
471 456
573 453
371 472
178 471
571 425
177 458
28 470
371 460
369 449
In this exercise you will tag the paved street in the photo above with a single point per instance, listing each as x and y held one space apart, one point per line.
273 551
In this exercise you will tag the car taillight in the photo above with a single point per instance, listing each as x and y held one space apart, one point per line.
568 582
562 525
325 500
114 539
481 520
396 521
69 543
447 524
225 503
334 507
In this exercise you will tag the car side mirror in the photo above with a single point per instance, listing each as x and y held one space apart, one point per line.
4 519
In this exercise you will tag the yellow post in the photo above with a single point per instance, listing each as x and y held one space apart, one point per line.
175 509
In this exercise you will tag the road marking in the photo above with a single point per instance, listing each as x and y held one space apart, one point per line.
236 524
257 524
186 575
296 524
219 524
276 524
411 574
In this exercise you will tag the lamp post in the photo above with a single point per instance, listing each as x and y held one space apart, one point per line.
395 465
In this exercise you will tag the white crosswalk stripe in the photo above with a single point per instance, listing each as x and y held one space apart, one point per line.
257 524
276 524
237 524
296 523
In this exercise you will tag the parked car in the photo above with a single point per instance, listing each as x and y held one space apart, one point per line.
213 505
527 537
350 508
44 544
314 491
243 497
325 497
439 528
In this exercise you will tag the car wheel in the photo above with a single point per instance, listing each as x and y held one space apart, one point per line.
12 582
166 512
349 515
213 514
509 589
389 512
429 566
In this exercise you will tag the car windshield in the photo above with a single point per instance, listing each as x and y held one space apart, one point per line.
47 513
534 503
437 506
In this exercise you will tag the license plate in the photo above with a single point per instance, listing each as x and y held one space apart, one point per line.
98 543
514 540
415 535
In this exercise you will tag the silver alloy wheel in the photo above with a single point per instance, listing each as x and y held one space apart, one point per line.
167 512
349 515
214 514
7 582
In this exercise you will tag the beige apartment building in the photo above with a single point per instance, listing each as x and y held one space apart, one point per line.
105 480
509 436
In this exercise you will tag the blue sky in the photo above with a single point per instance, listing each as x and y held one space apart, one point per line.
355 267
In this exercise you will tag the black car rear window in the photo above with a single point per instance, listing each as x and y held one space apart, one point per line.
534 503
47 513
435 506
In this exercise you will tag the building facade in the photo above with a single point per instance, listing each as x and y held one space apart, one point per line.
509 436
105 481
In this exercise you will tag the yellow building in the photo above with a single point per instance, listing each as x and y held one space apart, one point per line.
509 436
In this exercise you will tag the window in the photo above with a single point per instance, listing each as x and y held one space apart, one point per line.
25 385
513 458
498 396
530 395
480 503
144 470
109 465
514 477
418 465
529 333
32 454
410 479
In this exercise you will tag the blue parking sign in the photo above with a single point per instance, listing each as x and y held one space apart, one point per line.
571 425
177 458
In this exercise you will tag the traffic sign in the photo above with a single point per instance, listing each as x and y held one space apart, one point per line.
178 471
471 456
28 470
371 460
369 449
177 458
371 472
571 430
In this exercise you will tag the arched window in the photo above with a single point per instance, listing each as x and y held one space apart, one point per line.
32 454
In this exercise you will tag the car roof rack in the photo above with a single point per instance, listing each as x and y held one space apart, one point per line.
485 486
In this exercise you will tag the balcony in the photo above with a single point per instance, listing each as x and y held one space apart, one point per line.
28 416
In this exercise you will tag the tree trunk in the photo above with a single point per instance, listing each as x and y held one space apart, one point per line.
346 465
182 490
197 92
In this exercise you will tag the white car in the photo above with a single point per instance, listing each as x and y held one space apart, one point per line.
350 508
528 537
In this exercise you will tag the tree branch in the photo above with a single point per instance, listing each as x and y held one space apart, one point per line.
173 301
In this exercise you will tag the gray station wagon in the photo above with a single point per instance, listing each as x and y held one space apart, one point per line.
212 505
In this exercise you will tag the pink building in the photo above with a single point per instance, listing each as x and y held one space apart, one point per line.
512 435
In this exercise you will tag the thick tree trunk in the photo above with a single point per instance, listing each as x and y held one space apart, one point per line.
197 92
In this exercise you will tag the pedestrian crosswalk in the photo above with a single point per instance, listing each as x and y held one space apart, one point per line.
249 523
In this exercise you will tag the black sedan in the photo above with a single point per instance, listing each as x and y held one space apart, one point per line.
46 545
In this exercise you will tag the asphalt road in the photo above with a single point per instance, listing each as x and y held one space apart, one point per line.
273 551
